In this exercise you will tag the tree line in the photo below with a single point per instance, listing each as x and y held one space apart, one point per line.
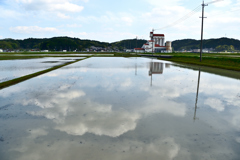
220 44
66 43
70 44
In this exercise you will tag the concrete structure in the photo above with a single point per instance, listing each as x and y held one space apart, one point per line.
157 44
169 46
158 39
1 50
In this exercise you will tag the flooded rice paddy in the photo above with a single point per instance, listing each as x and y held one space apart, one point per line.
11 69
121 109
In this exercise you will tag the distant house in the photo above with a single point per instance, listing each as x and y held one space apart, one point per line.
1 50
128 50
139 50
196 50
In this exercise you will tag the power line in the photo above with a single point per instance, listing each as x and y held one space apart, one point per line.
227 11
187 16
194 11
212 2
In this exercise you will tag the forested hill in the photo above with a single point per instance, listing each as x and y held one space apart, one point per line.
66 43
221 43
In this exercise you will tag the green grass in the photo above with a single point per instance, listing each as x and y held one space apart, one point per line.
19 57
229 63
24 78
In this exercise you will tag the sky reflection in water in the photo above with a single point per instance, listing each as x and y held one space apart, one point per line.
121 108
10 69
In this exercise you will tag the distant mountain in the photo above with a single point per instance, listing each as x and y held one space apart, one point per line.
66 43
188 44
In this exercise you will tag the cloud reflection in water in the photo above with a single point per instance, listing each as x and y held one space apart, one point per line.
76 115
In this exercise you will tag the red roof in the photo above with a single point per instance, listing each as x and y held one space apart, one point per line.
139 48
157 45
150 41
158 35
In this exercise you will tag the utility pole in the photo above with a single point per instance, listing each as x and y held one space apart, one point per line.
151 35
201 46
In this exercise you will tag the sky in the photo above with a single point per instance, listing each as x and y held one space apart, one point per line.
111 21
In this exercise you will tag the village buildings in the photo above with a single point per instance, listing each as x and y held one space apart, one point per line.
155 44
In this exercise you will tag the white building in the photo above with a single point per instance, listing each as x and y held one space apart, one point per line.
1 50
139 50
44 51
157 44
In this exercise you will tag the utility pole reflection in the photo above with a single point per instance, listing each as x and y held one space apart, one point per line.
135 69
195 112
135 66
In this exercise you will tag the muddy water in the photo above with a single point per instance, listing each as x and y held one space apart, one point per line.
10 69
121 108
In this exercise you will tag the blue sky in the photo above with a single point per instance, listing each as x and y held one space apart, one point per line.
111 21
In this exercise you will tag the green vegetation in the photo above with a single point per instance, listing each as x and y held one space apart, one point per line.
226 48
66 43
19 57
24 78
224 61
188 44
71 44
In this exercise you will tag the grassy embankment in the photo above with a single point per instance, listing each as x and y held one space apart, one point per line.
24 78
224 61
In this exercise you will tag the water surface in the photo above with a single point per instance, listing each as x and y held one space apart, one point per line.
121 108
10 69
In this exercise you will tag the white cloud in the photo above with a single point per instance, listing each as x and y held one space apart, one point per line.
162 148
32 29
77 116
166 3
50 5
107 36
115 19
127 83
215 104
8 13
63 16
222 3
73 25
104 121
127 20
